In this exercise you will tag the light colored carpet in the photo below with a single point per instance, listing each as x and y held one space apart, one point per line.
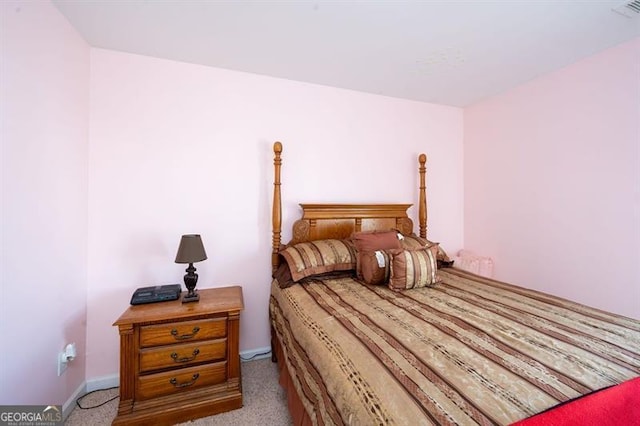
264 400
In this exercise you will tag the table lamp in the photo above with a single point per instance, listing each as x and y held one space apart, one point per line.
190 251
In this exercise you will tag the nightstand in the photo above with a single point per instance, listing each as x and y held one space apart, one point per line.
180 361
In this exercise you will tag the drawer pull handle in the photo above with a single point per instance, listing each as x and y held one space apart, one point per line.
175 383
174 333
186 358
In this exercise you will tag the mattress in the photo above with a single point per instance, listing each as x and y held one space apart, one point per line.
469 350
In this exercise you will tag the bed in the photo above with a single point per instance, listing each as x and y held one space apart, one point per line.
460 349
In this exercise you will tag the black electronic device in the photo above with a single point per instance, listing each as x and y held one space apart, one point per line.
159 293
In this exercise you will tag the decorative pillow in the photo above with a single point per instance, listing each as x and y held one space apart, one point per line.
283 275
376 240
413 242
318 257
369 242
372 272
413 268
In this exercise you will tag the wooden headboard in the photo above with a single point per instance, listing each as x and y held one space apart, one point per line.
321 221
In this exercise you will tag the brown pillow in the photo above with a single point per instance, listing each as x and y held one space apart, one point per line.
372 241
413 268
283 275
372 273
413 242
376 240
318 257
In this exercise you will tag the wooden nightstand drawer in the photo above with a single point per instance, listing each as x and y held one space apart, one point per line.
182 380
187 331
181 355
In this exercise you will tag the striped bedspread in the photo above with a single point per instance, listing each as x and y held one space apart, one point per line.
467 351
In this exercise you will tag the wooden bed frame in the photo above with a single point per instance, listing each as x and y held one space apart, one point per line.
322 221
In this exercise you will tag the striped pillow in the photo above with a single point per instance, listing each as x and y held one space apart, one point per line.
318 257
413 242
413 268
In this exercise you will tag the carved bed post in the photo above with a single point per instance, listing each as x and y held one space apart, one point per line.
276 220
276 216
422 206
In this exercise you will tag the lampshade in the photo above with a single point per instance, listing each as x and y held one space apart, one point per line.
191 249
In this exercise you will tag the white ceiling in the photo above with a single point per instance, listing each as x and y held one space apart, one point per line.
446 52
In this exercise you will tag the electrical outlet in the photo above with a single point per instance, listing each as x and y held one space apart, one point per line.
62 363
65 357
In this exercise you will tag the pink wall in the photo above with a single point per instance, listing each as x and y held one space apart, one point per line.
549 168
179 148
552 181
44 105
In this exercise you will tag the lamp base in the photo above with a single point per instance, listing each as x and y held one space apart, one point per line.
190 281
187 298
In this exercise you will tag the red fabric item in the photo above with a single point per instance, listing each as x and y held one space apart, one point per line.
615 406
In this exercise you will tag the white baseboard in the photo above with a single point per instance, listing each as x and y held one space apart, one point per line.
104 382
255 354
70 404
